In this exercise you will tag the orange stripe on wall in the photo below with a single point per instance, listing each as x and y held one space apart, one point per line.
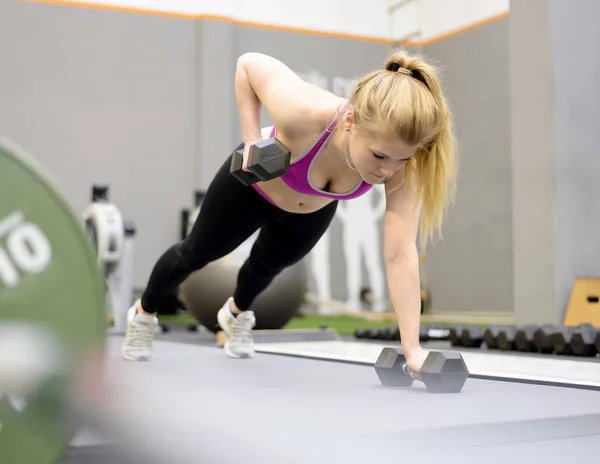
341 35
455 32
203 16
124 9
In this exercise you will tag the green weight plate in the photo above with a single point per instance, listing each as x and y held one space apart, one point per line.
50 284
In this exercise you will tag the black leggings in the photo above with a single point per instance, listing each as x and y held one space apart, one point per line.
230 213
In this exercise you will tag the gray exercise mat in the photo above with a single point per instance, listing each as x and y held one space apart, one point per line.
210 408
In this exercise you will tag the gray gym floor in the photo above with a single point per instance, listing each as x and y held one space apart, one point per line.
193 404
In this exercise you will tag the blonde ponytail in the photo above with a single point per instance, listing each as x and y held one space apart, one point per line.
406 96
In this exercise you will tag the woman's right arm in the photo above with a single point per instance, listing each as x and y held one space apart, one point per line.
261 80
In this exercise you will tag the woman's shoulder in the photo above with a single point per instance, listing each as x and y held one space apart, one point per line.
318 113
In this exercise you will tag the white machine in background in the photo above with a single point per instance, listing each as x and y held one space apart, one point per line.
114 238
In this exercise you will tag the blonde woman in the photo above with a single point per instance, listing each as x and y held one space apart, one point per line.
394 129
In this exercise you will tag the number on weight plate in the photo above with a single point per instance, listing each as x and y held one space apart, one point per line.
27 249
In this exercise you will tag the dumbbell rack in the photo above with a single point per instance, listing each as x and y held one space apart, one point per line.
581 341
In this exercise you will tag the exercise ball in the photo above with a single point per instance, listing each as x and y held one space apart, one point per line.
205 291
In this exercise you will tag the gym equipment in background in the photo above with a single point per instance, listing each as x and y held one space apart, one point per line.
584 302
392 333
466 336
564 340
52 316
113 239
267 160
104 223
490 336
582 340
205 291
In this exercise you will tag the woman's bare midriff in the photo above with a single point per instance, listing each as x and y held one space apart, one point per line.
290 200
329 173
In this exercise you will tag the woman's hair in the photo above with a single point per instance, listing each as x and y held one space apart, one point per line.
406 98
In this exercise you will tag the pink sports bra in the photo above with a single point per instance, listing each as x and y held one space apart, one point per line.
298 176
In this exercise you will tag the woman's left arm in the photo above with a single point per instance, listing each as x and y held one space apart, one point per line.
401 256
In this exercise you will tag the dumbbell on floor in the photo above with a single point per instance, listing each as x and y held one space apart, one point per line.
267 160
442 372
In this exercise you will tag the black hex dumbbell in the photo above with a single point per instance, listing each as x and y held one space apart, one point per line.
375 333
524 338
454 335
506 338
583 340
490 336
391 333
469 336
361 333
561 340
442 372
267 160
542 338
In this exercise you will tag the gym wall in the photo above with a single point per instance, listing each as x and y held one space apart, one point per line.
471 269
144 103
427 21
525 104
108 97
576 73
554 123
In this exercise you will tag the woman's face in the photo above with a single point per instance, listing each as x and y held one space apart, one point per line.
377 155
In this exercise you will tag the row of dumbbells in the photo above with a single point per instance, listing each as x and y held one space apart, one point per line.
391 333
581 340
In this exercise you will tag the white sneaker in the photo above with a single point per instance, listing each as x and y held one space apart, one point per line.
141 328
240 343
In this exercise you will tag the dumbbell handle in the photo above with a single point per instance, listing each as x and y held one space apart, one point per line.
267 159
408 371
245 177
